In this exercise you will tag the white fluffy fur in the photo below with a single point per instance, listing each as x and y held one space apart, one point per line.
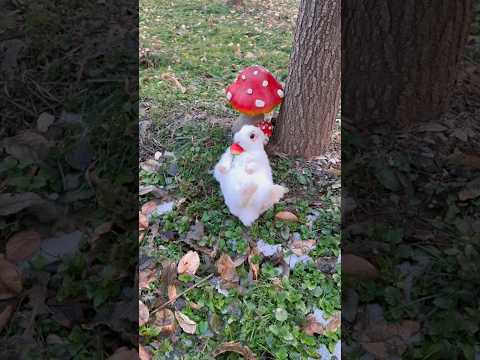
246 179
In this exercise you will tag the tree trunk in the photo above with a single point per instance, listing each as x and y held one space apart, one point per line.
429 36
312 93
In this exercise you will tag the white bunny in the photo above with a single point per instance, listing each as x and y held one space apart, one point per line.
246 178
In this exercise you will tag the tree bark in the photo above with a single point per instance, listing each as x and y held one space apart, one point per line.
312 93
400 58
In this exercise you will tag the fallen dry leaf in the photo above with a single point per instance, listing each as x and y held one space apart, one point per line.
10 280
145 278
164 320
150 166
143 353
387 341
189 263
301 248
286 216
172 291
171 78
236 347
27 146
226 268
316 324
14 203
254 267
143 313
101 229
358 267
5 316
187 324
22 245
471 190
124 353
142 222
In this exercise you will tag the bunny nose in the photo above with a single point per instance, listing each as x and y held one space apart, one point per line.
236 149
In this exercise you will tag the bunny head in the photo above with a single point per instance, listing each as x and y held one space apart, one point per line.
250 138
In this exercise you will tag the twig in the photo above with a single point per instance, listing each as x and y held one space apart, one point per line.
181 294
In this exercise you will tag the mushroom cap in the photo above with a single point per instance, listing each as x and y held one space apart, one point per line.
255 91
266 127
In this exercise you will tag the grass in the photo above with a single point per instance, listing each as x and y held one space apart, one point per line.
196 40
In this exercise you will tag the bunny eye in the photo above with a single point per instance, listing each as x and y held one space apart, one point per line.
252 136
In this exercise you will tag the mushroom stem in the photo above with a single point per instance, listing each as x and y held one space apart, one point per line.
246 120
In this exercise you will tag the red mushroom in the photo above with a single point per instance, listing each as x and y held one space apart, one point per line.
266 127
255 91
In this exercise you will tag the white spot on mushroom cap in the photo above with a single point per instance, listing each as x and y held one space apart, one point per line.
249 91
255 72
264 83
280 93
243 77
259 103
229 95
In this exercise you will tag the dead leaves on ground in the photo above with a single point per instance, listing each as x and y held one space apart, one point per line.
145 278
172 79
236 347
286 216
189 263
188 325
143 313
358 267
5 316
22 245
317 324
226 268
387 341
10 280
164 320
302 247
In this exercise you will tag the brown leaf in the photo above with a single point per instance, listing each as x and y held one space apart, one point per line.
171 78
14 203
143 313
187 324
27 146
226 268
150 166
172 291
150 206
5 316
10 280
358 267
124 353
316 326
300 247
143 353
142 221
236 347
387 340
165 322
23 245
189 263
286 216
101 229
254 267
471 190
145 278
